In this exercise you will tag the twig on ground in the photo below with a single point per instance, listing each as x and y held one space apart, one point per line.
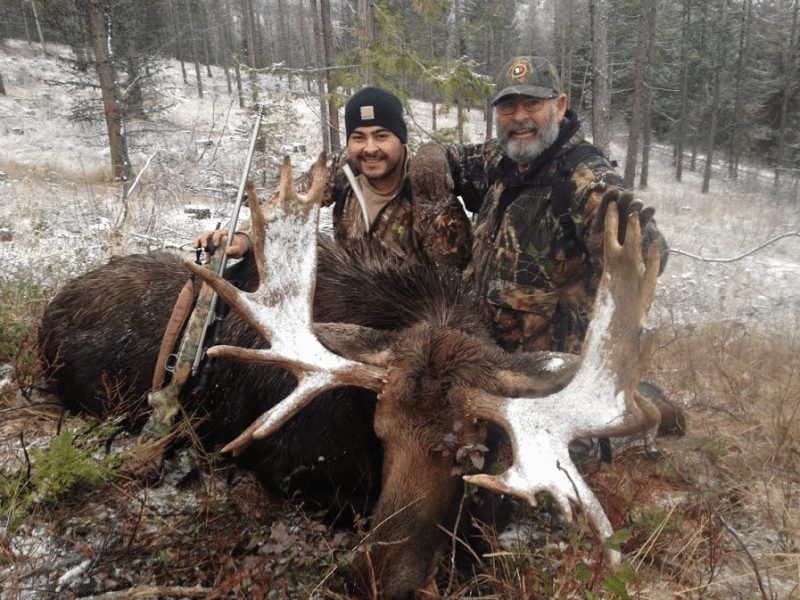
750 558
453 545
25 453
151 591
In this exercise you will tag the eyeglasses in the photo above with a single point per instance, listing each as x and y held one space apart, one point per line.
508 106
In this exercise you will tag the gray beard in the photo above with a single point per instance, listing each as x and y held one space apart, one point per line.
526 151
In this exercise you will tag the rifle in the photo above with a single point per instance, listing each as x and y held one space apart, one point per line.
164 401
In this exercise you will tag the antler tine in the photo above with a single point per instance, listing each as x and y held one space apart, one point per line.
602 397
285 242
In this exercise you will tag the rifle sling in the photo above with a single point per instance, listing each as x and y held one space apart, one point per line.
177 319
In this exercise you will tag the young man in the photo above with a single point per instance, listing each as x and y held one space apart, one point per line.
371 195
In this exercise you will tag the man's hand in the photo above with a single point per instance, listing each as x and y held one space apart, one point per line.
626 205
429 173
210 240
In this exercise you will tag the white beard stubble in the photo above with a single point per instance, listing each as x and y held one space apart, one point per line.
526 151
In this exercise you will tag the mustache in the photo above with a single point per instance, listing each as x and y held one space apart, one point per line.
521 126
364 154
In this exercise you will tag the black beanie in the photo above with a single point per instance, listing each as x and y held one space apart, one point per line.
375 106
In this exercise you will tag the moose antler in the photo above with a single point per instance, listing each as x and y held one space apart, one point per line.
601 399
285 247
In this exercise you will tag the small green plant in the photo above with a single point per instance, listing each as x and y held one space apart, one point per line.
63 467
714 448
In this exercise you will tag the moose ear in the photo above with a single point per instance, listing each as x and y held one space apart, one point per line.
358 343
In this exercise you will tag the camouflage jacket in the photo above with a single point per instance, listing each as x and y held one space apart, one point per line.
405 227
530 252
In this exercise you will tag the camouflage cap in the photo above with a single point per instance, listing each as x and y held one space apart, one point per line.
528 76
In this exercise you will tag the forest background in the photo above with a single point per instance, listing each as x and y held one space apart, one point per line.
717 78
123 128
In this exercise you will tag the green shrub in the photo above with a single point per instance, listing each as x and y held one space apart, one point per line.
64 467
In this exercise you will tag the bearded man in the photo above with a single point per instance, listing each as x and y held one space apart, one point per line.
368 187
540 191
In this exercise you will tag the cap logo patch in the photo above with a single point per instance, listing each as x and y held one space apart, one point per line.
367 113
518 69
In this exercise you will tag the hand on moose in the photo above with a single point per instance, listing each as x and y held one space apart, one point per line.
429 173
211 240
626 205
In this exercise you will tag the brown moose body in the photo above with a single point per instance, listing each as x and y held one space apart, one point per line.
391 377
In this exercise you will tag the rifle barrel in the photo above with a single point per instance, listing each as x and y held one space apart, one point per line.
212 312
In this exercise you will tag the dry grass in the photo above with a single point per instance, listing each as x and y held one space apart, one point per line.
740 459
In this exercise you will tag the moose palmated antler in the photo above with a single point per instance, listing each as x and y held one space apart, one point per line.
601 398
285 247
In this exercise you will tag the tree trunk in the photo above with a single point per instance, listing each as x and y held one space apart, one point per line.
647 109
455 41
120 163
193 41
283 35
306 60
80 38
38 25
330 61
638 93
601 98
178 42
226 43
715 99
366 38
249 32
234 53
319 61
2 86
788 79
204 26
134 103
25 22
734 149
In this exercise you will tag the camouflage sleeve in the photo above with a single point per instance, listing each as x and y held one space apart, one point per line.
440 224
444 231
470 166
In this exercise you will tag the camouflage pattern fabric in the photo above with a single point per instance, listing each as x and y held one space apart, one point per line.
534 265
407 228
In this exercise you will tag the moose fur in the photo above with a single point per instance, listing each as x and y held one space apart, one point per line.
102 332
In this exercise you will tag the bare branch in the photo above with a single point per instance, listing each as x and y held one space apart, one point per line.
750 558
741 256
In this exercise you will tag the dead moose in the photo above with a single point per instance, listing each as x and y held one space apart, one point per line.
379 394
